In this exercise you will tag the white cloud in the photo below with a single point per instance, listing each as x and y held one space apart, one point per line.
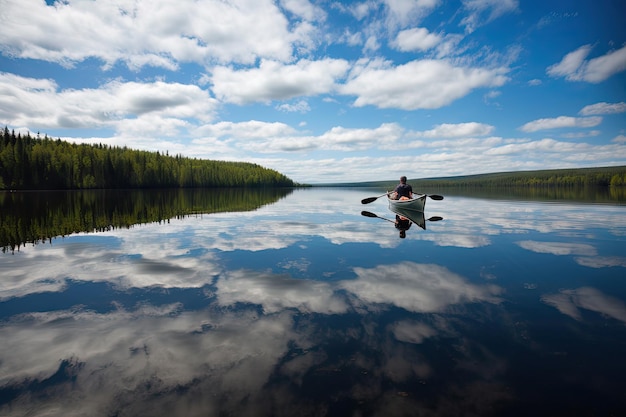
561 122
277 293
569 302
425 84
404 12
153 32
358 10
603 108
578 135
405 7
575 67
459 240
40 103
301 106
147 353
619 139
453 130
539 146
570 64
417 287
340 138
602 261
481 12
304 9
247 130
417 39
558 248
275 81
266 137
412 332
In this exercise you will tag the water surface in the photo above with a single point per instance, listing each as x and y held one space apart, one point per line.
297 304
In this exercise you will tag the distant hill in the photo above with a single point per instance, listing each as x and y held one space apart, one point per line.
575 177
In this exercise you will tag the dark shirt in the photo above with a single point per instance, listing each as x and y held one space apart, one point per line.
402 223
404 190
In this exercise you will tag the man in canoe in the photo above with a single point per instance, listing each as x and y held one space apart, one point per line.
403 191
402 224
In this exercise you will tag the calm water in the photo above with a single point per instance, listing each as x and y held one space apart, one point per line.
297 304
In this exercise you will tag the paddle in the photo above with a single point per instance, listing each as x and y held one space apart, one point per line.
372 199
370 214
435 196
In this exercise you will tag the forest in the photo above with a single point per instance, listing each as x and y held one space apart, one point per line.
34 163
579 177
549 178
35 217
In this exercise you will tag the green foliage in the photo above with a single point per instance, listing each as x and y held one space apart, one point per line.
34 217
553 178
581 177
28 163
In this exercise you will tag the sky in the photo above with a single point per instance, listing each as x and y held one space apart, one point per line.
325 91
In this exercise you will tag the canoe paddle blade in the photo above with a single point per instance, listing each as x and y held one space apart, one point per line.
372 199
368 214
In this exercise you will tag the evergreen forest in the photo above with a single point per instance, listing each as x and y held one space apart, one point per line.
34 163
36 217
550 179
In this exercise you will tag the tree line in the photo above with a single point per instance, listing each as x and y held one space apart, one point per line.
34 163
579 177
27 217
551 178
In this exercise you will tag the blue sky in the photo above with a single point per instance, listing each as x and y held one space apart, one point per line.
325 91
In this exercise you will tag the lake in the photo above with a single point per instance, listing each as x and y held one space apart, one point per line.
283 303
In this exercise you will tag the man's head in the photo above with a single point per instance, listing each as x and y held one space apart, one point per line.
403 179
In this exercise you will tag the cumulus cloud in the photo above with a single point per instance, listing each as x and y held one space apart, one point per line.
561 122
40 102
149 32
603 108
276 293
196 81
575 67
539 146
451 130
421 84
304 9
266 137
417 287
274 81
416 39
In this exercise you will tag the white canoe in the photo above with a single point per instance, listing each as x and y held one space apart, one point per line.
416 217
417 203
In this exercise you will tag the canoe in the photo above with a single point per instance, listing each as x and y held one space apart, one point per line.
415 204
414 216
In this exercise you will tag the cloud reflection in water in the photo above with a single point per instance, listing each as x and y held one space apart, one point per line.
400 326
